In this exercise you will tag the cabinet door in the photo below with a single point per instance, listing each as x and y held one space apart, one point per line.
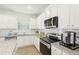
42 21
74 16
33 23
53 10
24 41
39 22
37 43
63 16
47 12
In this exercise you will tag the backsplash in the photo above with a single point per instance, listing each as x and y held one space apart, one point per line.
76 30
51 30
58 30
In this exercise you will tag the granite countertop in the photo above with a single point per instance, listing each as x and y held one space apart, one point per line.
26 34
65 50
7 47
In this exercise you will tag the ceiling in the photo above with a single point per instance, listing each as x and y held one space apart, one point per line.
32 9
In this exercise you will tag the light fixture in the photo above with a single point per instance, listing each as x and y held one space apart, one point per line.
29 7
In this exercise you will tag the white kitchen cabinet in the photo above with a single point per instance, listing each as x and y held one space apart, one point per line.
33 23
53 10
63 16
47 12
24 41
42 21
55 51
39 22
68 16
37 43
74 16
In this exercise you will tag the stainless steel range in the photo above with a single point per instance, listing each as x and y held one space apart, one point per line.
45 43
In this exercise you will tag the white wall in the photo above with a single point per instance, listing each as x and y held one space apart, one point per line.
20 16
8 22
23 18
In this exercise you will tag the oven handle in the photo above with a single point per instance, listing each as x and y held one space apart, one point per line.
46 44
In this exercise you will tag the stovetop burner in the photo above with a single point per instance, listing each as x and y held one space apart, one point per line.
49 40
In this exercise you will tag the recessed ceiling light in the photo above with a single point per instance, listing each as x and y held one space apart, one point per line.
29 7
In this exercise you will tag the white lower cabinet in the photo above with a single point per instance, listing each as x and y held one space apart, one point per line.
24 41
37 43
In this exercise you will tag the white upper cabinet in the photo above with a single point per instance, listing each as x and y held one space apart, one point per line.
53 10
42 21
33 23
38 22
68 16
63 16
47 12
74 16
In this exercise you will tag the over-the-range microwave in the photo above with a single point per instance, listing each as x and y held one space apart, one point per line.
51 23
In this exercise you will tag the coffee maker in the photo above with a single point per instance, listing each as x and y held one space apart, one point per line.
68 39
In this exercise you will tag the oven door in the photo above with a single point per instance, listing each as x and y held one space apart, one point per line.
45 48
